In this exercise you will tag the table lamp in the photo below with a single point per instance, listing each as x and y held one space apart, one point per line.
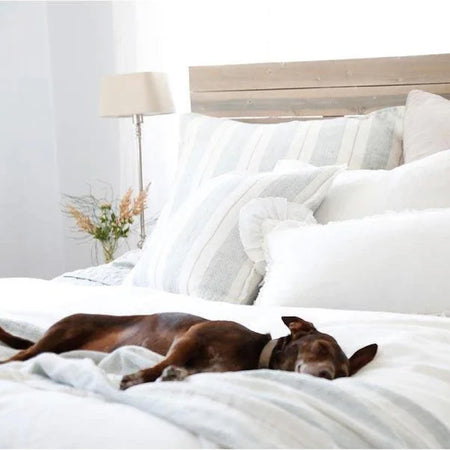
136 95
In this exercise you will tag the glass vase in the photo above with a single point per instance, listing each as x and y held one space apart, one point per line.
109 248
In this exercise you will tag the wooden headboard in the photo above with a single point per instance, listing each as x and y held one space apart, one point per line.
274 92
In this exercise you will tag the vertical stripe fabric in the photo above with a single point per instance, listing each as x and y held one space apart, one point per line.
210 147
198 251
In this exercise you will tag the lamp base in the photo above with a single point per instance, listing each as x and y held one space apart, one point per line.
138 119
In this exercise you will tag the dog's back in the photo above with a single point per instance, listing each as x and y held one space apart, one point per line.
105 333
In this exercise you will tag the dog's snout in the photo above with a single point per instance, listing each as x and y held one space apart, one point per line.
316 370
325 374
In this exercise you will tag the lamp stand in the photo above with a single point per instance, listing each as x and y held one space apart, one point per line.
138 119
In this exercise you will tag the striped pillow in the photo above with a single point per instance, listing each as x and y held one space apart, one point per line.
210 147
198 251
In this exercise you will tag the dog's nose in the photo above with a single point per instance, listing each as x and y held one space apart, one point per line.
325 374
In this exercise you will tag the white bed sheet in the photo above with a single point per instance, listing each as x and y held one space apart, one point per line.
413 361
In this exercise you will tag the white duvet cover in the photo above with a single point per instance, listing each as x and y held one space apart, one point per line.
401 399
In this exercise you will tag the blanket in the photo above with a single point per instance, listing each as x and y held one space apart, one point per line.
249 409
111 274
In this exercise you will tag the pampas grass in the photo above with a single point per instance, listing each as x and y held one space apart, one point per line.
103 220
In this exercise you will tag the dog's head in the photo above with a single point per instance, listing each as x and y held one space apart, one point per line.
307 350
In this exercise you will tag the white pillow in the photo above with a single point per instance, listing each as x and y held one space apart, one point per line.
396 262
355 194
198 251
426 126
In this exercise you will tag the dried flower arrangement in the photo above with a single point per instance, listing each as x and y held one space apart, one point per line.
106 221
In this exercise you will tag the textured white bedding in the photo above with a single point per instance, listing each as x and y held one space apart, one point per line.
111 274
397 262
413 362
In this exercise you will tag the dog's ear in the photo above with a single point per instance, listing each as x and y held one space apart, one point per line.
362 357
297 326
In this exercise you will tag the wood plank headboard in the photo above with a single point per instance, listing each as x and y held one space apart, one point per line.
274 92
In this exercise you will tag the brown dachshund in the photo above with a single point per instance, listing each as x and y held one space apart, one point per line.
192 344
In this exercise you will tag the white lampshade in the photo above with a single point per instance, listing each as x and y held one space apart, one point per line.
143 93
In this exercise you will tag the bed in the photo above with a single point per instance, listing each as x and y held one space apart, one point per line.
400 400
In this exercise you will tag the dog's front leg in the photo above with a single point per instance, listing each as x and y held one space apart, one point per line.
178 354
143 376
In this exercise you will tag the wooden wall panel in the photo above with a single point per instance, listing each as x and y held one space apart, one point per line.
308 102
281 91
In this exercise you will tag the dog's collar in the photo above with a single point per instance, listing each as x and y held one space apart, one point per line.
266 354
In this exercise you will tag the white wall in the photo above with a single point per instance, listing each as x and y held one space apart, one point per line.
82 51
30 222
174 34
53 142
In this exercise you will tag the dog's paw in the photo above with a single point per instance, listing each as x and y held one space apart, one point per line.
131 380
173 373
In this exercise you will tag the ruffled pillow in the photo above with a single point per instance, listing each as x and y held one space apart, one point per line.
262 215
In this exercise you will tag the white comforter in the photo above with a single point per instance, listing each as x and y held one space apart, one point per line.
406 388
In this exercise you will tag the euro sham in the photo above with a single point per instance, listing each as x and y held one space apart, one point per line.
210 147
427 125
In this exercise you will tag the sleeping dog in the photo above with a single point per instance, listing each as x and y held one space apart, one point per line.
192 344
